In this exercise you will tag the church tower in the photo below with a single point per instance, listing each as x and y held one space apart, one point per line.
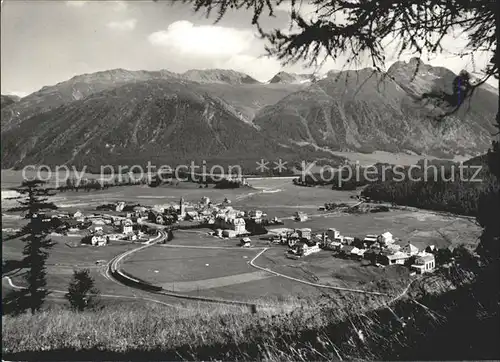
182 209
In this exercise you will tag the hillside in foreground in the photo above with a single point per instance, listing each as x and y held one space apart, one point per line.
461 323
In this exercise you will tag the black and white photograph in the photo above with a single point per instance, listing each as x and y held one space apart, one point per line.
250 180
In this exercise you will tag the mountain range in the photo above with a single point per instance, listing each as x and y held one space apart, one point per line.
123 117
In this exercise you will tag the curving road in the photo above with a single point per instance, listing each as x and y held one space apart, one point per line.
106 274
252 263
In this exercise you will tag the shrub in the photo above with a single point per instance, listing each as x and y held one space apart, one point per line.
81 291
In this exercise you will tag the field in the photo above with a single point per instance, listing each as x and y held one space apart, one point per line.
201 265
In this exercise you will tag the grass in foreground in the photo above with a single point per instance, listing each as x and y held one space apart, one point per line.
459 324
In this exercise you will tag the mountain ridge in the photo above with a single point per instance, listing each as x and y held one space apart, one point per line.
354 110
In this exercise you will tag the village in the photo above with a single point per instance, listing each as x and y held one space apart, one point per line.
135 223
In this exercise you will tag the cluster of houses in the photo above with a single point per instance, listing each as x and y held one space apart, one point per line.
225 220
98 229
380 249
105 230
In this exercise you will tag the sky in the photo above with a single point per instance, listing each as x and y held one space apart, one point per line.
46 42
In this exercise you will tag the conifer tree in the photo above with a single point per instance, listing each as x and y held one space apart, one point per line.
33 203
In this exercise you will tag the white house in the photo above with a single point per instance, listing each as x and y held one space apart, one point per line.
333 234
120 206
78 214
424 263
396 258
347 240
393 247
96 229
358 252
385 238
99 240
114 237
236 224
229 233
300 216
192 215
127 228
307 250
255 214
245 242
304 233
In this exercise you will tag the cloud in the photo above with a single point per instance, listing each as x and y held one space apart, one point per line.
76 3
125 25
211 46
205 40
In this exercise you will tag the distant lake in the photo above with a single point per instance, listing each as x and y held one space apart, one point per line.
11 178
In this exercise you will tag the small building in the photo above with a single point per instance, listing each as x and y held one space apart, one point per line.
245 242
192 215
393 248
99 240
228 233
300 216
114 237
96 229
236 224
348 240
333 234
120 206
127 228
291 241
359 253
280 231
304 233
385 238
396 258
77 215
333 245
410 249
424 264
255 214
218 232
346 250
304 249
369 240
430 249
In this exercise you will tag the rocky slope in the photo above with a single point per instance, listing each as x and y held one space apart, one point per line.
162 121
124 117
366 110
218 76
7 100
291 78
247 94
